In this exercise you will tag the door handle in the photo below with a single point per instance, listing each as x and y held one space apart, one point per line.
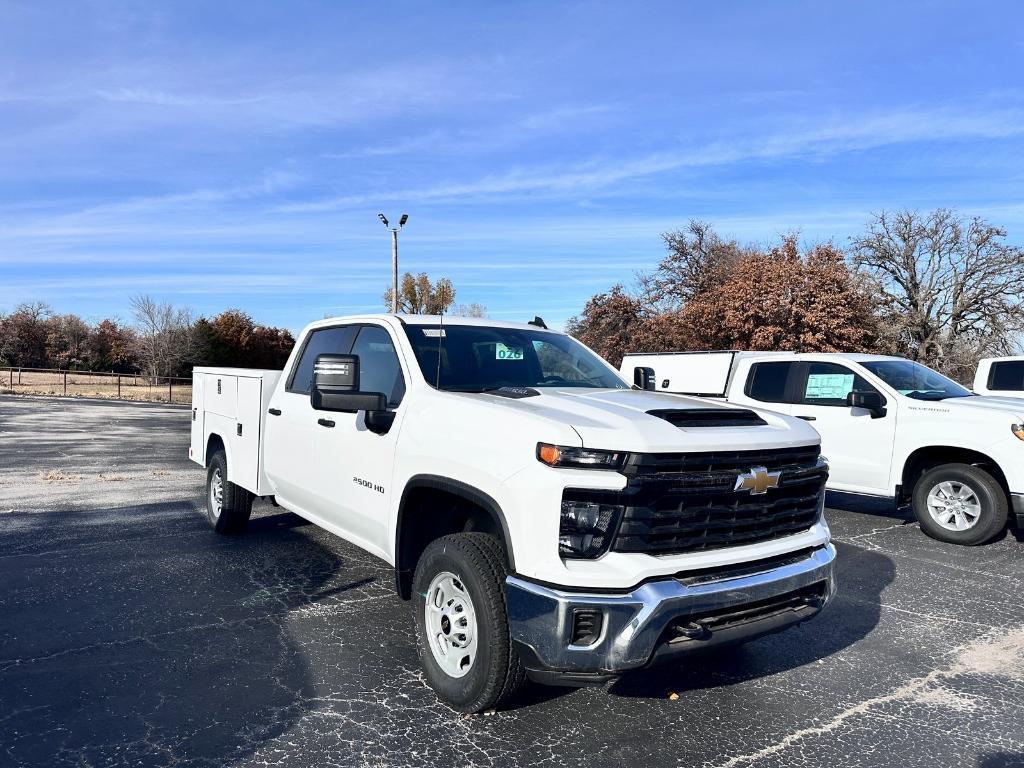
325 422
274 411
808 418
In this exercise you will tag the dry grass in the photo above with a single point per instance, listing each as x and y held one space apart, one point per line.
92 385
112 478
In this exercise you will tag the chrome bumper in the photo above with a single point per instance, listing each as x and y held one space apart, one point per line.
653 620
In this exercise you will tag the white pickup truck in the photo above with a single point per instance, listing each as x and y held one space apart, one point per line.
547 520
1001 376
889 426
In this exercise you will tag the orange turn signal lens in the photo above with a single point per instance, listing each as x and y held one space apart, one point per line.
1018 431
549 454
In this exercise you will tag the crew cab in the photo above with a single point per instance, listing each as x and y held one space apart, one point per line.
889 426
1000 376
547 520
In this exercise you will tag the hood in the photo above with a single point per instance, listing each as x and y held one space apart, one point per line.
618 419
976 406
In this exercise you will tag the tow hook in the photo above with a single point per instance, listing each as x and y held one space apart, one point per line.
692 630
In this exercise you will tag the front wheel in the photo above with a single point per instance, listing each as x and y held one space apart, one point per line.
960 504
463 639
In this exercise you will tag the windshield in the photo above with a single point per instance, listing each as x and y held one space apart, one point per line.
477 358
915 380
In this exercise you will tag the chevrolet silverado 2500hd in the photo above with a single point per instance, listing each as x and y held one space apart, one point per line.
547 520
890 427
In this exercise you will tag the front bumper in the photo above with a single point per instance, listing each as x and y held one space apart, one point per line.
668 617
1017 500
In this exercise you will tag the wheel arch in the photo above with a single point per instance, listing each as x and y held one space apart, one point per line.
213 442
413 533
925 458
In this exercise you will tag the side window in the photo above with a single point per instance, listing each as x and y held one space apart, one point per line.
323 341
379 369
767 382
829 384
1008 374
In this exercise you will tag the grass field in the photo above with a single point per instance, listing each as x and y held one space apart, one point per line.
103 385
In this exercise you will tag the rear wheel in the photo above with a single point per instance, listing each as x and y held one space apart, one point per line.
960 504
228 506
462 630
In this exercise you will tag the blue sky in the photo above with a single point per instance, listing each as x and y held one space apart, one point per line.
236 154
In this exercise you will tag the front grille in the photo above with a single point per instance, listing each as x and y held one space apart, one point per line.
686 502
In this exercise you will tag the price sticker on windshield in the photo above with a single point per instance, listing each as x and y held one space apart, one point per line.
501 352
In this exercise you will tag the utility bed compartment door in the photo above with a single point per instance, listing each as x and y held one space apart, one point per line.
246 440
197 445
221 394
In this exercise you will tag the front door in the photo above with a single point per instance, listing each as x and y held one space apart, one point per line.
292 431
354 464
859 447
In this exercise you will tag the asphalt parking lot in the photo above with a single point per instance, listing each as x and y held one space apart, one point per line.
131 635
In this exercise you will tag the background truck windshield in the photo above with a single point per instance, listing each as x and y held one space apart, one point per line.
476 358
915 380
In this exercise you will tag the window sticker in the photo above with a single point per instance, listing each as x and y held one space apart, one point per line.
828 386
433 333
501 352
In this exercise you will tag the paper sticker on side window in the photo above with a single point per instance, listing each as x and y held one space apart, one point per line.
501 352
828 386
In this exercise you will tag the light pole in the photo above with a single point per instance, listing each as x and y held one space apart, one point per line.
394 257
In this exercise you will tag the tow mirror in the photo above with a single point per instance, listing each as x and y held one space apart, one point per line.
868 400
643 378
336 386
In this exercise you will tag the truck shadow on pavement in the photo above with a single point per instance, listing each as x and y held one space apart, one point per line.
862 576
134 635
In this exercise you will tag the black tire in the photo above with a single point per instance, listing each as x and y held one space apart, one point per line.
989 493
496 674
236 502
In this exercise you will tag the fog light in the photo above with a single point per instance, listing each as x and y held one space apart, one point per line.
586 527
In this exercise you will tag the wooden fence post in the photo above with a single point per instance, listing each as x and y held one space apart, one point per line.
119 386
65 383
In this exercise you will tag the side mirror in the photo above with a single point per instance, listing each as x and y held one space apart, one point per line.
869 401
643 378
336 386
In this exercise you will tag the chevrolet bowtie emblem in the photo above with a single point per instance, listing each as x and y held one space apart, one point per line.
758 480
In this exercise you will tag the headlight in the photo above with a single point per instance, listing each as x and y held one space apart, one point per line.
580 458
586 526
1018 431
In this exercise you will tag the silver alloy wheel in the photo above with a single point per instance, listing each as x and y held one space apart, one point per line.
450 623
216 493
954 505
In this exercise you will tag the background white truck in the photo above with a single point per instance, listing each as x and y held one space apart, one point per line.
1001 376
545 519
889 427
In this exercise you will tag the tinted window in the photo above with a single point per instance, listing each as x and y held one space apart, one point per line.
477 358
379 370
1007 375
915 380
324 341
829 384
767 382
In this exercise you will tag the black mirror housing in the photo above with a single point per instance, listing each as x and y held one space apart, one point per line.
336 386
869 401
643 378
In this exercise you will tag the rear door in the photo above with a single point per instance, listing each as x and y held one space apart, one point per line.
764 384
859 447
290 453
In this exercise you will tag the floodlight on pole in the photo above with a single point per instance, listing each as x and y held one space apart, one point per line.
394 256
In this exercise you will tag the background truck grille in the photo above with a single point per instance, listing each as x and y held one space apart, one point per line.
678 503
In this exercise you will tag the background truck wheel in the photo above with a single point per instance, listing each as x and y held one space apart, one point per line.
462 631
960 503
227 505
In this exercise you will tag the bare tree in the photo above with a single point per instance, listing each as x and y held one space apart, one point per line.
470 310
696 261
952 287
165 335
